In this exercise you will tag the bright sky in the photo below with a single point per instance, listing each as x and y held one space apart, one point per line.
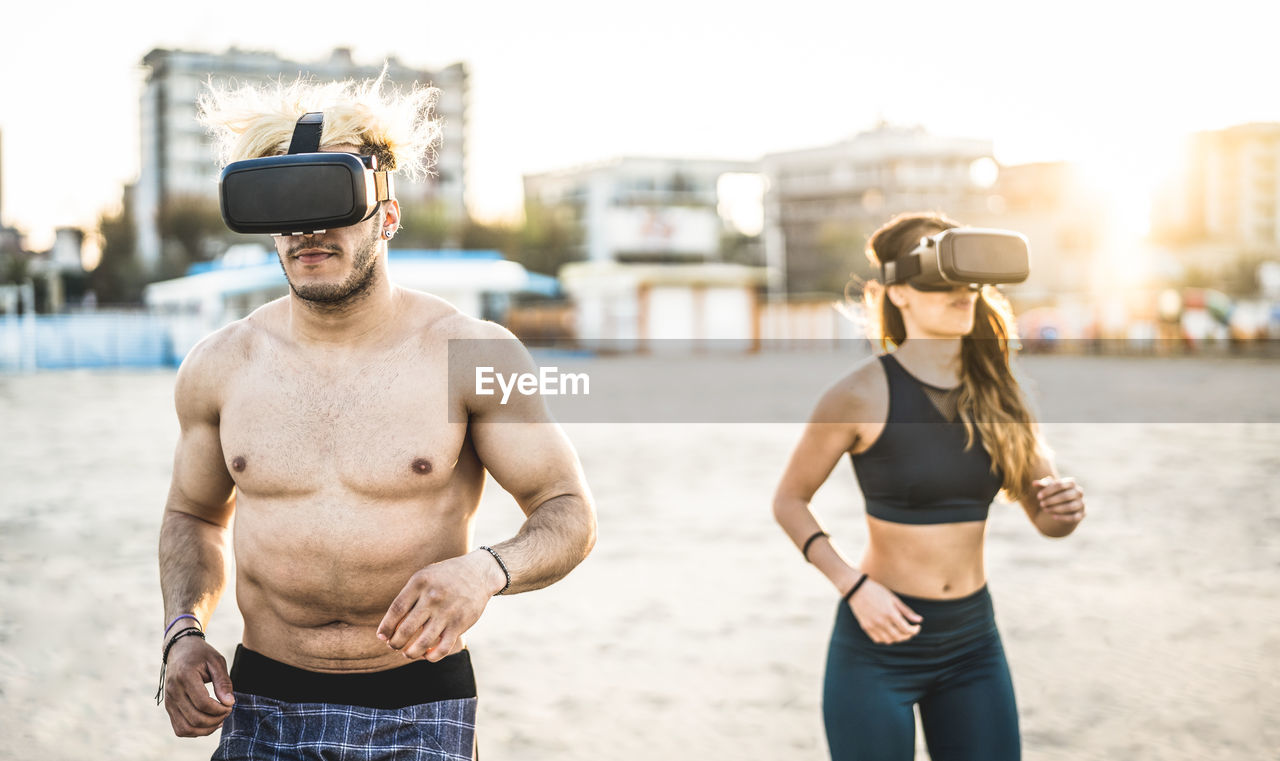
555 83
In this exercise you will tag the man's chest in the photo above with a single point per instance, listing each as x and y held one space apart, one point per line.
380 434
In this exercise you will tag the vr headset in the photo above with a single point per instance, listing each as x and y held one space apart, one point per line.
304 191
959 257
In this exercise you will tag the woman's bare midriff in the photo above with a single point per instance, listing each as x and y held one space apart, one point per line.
940 561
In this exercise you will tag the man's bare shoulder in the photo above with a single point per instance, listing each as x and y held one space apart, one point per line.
218 356
472 344
440 320
232 344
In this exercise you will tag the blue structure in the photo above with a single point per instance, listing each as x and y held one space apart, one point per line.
184 310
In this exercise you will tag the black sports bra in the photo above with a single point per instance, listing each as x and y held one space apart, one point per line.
918 471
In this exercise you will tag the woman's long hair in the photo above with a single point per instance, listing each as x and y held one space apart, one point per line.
990 397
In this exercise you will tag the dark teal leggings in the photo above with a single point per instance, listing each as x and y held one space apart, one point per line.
954 669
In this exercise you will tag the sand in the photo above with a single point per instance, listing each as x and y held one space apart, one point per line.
694 631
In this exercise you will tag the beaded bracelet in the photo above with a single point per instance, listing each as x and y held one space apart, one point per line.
811 540
501 565
164 659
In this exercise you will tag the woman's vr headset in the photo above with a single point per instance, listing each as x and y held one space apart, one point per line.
958 257
304 191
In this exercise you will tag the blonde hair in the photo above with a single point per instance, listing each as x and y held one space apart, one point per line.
252 121
990 398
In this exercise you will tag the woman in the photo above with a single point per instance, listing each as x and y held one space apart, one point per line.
916 624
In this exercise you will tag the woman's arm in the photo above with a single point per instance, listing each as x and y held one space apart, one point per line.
829 434
1055 505
820 448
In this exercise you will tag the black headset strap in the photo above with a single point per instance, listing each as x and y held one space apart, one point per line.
901 269
306 133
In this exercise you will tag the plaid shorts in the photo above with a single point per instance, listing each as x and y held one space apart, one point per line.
418 712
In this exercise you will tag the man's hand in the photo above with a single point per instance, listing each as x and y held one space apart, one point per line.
439 603
192 664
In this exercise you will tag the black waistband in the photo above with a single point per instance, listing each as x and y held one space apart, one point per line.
953 617
413 684
978 598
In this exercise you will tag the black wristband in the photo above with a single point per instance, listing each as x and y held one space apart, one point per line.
811 540
501 565
164 659
853 589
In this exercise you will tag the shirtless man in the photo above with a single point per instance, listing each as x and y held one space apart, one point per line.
325 425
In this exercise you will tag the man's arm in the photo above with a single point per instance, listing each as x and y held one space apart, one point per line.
529 456
536 463
194 550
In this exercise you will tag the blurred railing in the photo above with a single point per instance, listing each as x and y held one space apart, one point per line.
99 339
137 339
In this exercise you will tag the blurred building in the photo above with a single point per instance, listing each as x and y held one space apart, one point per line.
822 203
641 209
13 260
1228 190
68 249
50 278
177 159
642 307
10 240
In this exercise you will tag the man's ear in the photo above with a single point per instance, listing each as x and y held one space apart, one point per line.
390 218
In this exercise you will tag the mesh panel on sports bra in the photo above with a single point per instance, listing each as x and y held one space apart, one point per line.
919 469
946 401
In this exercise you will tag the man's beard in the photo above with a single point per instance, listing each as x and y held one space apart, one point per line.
339 296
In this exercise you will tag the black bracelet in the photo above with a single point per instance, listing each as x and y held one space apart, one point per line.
164 659
811 540
856 584
501 565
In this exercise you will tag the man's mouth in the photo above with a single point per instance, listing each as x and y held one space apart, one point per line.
312 255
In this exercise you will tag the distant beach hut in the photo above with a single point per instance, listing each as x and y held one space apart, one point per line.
622 307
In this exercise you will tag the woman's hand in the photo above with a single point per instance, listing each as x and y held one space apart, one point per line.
885 618
1060 498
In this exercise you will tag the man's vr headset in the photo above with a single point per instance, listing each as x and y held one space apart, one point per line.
303 192
961 257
